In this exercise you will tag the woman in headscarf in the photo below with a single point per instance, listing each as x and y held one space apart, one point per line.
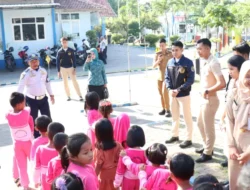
238 130
234 66
97 79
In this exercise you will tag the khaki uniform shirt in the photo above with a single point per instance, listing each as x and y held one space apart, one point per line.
209 70
167 55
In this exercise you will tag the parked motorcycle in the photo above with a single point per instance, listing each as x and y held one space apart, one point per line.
48 56
10 63
23 55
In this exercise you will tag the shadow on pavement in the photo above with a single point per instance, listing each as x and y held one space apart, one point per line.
5 137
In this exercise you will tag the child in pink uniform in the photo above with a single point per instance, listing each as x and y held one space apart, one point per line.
156 154
77 156
121 127
55 167
182 169
106 154
68 181
41 124
125 178
93 115
21 128
44 154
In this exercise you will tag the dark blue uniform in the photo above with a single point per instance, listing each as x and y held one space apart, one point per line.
180 75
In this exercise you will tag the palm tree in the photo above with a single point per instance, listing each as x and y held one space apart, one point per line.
163 7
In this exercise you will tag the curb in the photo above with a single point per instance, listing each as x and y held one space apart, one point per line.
84 75
121 105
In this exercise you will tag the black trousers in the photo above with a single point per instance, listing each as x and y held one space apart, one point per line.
98 90
102 57
35 107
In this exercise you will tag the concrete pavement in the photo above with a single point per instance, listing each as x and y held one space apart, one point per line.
144 91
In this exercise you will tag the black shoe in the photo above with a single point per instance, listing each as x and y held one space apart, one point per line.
69 99
168 114
224 164
186 144
81 99
199 150
173 139
162 112
203 158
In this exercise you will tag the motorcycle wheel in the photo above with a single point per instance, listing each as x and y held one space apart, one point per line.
9 65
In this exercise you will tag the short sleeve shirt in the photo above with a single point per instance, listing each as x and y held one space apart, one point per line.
210 69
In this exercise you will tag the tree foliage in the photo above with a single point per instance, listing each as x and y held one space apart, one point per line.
217 15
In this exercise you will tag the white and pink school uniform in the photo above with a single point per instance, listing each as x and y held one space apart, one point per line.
87 175
42 157
125 178
21 128
54 169
159 180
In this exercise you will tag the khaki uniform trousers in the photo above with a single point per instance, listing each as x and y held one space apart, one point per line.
185 104
68 72
205 122
234 168
163 91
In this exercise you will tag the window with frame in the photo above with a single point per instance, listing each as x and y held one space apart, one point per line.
71 24
28 29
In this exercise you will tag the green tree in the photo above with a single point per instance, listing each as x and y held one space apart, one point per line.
92 37
162 7
133 28
218 16
241 10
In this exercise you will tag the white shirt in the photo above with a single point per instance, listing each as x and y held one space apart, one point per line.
86 43
36 82
102 45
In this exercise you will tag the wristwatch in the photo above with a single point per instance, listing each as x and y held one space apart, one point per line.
206 91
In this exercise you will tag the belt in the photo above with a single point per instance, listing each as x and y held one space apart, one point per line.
36 97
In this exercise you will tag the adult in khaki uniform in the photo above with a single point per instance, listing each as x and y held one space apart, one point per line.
179 79
212 81
161 59
66 67
238 131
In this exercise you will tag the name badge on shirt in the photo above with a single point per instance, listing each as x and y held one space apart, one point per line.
69 53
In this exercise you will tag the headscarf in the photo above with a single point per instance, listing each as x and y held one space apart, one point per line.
243 93
94 50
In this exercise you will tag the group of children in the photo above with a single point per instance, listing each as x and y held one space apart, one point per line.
109 157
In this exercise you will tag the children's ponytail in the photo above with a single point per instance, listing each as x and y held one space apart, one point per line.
64 158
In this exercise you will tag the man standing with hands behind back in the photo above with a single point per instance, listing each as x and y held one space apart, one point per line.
179 79
66 67
161 59
212 80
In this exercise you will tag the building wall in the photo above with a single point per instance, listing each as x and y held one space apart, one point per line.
34 46
84 25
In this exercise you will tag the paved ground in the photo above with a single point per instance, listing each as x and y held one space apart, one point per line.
117 62
143 91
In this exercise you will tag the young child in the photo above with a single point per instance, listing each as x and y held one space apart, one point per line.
68 181
105 108
21 129
124 177
156 154
93 115
121 127
182 169
106 154
41 124
44 154
55 167
206 178
77 156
